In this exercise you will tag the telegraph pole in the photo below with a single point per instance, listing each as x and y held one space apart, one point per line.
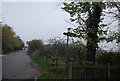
66 55
68 34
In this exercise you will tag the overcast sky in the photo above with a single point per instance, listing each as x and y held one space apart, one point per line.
37 20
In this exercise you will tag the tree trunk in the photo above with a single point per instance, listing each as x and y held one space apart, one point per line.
92 30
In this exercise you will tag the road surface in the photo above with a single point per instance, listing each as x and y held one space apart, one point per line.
0 67
18 65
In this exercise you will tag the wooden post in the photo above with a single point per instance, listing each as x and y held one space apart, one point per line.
70 71
109 71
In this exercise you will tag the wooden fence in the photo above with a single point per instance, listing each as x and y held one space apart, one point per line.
94 73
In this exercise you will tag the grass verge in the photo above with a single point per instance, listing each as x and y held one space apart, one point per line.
53 76
43 65
40 61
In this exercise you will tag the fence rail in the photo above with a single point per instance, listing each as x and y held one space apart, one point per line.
93 73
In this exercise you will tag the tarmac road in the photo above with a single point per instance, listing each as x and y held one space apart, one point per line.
0 67
18 65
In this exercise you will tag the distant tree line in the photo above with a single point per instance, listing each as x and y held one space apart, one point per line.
55 47
10 41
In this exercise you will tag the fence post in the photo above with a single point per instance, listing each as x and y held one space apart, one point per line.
70 71
109 71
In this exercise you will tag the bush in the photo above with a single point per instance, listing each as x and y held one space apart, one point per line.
35 46
116 58
109 57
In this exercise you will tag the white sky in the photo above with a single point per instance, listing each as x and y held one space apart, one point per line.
37 20
57 0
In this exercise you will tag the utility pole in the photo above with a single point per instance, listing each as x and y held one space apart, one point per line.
66 55
68 34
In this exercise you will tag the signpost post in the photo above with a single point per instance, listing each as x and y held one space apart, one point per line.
68 34
66 55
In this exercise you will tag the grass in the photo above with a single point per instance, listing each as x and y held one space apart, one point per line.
53 76
61 63
45 66
7 53
40 61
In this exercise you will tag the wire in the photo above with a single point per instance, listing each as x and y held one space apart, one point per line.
3 21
